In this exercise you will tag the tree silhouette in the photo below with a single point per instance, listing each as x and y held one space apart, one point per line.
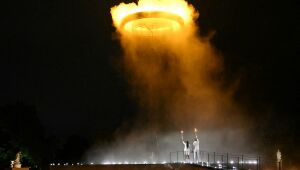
21 130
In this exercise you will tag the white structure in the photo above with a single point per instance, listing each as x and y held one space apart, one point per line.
16 163
279 160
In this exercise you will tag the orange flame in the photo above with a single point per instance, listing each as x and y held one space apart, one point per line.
157 15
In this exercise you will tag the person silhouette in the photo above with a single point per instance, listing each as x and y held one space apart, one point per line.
196 148
186 150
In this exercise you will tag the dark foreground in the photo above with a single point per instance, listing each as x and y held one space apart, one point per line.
131 167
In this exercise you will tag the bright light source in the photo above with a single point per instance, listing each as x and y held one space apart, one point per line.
152 17
149 23
252 162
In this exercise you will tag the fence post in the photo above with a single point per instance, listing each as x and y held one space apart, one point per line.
177 156
258 163
207 158
222 160
214 157
170 157
227 161
201 158
242 161
238 165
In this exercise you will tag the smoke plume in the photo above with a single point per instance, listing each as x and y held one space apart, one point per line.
176 78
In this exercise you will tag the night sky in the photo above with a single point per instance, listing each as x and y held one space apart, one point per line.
63 57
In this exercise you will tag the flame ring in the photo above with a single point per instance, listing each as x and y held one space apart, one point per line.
156 15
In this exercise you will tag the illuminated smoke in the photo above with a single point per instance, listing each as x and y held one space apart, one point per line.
173 72
175 75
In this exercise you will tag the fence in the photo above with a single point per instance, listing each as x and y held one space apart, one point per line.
219 160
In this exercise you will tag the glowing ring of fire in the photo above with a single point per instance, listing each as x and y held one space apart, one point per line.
154 21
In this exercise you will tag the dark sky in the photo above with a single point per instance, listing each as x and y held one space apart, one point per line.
62 57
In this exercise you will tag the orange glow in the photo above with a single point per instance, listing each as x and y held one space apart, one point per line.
153 16
170 67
